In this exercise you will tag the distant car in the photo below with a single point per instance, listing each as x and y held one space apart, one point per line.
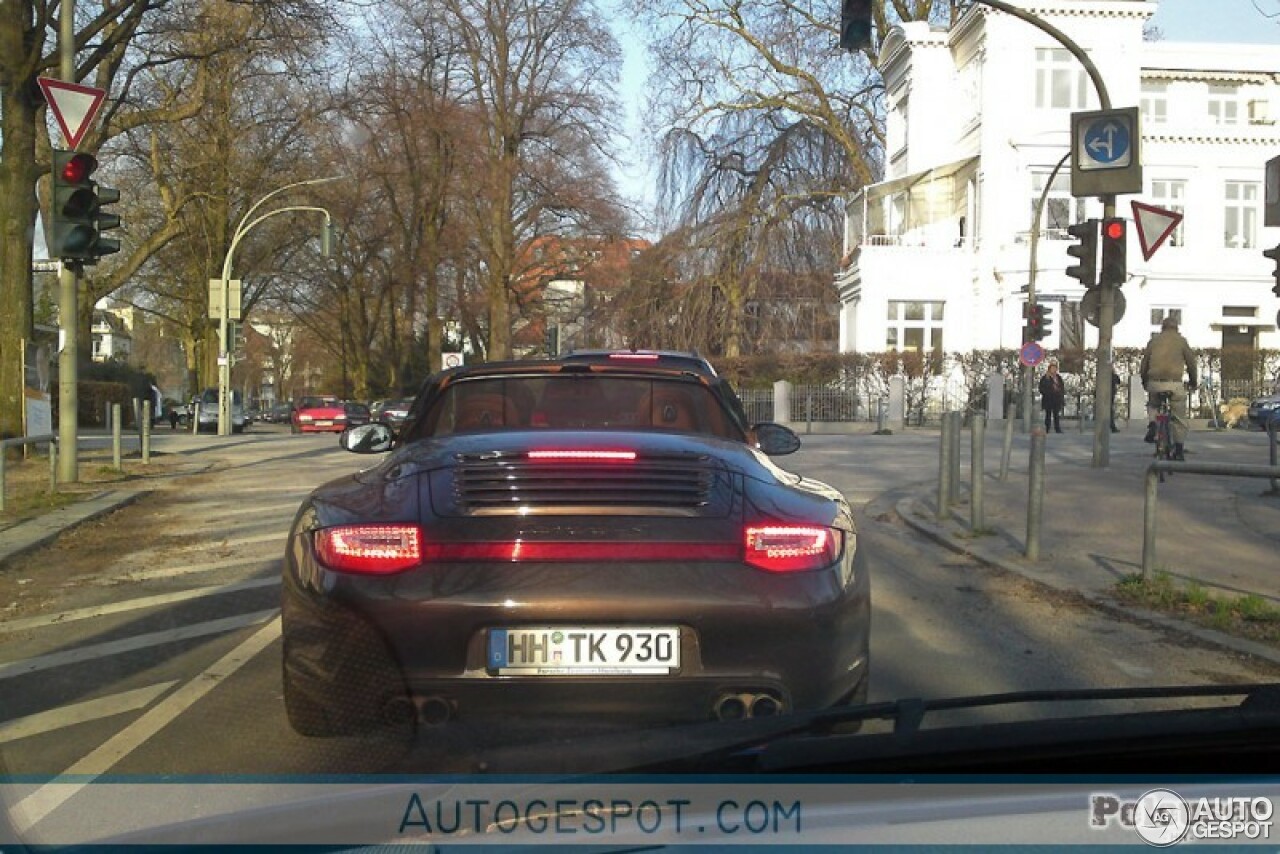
357 413
544 540
319 414
208 412
392 412
1263 410
278 414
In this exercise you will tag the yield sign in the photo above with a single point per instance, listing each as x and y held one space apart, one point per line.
1154 226
73 105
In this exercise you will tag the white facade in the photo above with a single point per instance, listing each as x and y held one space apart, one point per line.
937 255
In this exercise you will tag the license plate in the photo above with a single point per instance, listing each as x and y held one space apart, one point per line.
324 423
569 651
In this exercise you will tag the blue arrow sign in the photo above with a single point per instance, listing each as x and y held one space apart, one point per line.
1107 143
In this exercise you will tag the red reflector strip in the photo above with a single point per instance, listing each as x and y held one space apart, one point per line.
521 551
791 548
590 456
371 549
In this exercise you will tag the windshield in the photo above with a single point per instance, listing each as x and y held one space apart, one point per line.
737 367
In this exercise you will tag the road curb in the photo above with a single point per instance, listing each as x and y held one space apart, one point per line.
28 536
909 511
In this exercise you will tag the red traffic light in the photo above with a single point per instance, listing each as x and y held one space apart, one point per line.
78 169
1113 229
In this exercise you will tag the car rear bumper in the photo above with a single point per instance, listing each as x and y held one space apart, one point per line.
802 645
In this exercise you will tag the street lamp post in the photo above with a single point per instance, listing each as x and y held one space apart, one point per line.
245 225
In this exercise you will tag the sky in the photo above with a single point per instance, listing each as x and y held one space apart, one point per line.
1178 20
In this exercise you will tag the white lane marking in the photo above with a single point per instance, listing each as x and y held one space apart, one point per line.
36 806
78 713
189 569
276 536
134 604
103 650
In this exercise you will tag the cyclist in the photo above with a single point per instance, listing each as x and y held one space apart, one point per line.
1162 365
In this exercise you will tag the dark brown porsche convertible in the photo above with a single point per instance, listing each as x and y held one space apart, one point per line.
563 539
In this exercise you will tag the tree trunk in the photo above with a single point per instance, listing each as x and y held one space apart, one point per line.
17 216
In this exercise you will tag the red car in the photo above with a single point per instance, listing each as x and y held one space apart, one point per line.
319 414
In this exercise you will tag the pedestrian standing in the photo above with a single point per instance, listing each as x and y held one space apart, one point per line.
1053 396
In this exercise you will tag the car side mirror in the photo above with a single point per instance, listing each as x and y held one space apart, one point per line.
372 438
775 439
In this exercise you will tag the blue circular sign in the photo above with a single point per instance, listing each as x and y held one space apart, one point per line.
1031 354
1106 141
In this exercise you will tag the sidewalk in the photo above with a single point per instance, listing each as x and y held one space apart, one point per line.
1223 533
95 448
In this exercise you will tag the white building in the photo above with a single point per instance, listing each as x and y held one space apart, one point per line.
936 256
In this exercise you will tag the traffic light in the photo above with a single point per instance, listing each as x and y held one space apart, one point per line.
855 24
1046 321
76 216
1274 255
1114 231
1034 313
1086 250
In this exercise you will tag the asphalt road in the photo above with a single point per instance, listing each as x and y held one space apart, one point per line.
148 642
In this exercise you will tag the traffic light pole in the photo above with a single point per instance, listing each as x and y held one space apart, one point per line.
1107 296
68 291
1036 218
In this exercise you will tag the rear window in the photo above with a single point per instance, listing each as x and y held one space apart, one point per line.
578 402
317 402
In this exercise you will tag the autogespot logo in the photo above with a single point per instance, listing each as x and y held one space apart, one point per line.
1161 817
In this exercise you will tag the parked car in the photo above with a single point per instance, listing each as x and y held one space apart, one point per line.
543 540
319 414
208 411
392 412
357 413
278 414
1263 410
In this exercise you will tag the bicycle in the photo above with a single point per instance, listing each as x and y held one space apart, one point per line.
1164 431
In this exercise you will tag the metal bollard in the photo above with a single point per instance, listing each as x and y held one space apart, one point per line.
53 467
1149 525
977 516
115 434
882 416
944 468
1035 493
1010 416
1273 432
957 428
146 432
1080 413
195 419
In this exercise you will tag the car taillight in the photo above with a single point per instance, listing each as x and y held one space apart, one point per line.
634 357
534 551
369 549
585 456
791 548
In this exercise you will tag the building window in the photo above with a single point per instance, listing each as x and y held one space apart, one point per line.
1171 195
1154 102
1240 215
1061 84
1239 311
914 325
1224 104
1061 209
1159 314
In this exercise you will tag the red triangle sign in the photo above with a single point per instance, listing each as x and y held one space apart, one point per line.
73 105
1154 226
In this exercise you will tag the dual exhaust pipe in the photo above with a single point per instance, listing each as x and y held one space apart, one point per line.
432 711
733 707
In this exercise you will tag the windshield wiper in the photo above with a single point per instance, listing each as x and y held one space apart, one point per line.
814 738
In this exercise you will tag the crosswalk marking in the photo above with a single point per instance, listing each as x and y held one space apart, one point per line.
131 644
78 713
134 604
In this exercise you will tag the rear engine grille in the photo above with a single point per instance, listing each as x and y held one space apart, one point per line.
495 482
